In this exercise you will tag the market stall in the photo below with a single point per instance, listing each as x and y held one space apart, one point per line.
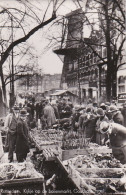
47 158
20 178
47 141
91 167
97 173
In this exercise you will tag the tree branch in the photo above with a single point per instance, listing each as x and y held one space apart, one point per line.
23 39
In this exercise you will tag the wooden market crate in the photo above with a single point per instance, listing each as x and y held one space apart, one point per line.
86 150
102 151
101 172
40 146
67 154
50 154
85 183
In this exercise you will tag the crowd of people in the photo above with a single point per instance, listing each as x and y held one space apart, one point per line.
104 124
23 117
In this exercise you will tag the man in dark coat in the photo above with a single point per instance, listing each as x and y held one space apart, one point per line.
55 107
75 118
32 106
22 147
67 111
10 127
123 111
116 115
38 109
117 136
89 124
100 138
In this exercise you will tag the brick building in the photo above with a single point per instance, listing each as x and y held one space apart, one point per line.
82 72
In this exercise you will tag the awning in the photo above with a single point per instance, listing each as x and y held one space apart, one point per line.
61 92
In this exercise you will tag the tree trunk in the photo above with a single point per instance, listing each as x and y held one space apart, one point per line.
114 80
108 82
5 55
3 86
109 61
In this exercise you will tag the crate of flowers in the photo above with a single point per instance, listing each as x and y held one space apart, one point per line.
73 144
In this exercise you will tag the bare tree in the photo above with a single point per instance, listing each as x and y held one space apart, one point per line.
111 23
21 20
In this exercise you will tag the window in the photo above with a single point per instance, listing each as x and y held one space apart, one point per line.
96 72
70 66
121 80
121 89
104 53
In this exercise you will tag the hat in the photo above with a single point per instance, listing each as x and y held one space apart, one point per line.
95 104
23 112
107 103
77 107
43 100
16 107
100 111
104 127
103 106
88 110
89 101
112 108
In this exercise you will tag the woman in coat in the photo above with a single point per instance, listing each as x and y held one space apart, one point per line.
22 147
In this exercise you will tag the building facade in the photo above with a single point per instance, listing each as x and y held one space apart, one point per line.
83 73
37 83
51 82
87 61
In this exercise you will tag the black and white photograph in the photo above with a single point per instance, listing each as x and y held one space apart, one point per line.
62 97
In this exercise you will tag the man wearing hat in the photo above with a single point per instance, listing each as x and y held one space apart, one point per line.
22 147
123 111
16 110
100 139
103 106
117 137
116 114
11 128
75 117
89 124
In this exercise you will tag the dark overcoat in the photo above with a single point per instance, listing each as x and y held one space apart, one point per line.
22 146
118 118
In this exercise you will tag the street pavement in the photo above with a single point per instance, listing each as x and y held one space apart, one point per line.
4 158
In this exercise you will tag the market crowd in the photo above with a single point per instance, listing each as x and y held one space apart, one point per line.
104 124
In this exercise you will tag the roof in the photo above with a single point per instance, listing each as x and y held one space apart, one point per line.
79 10
61 92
